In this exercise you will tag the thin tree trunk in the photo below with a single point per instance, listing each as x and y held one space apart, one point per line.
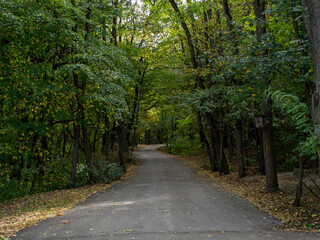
106 137
230 142
114 24
297 201
212 153
267 130
123 144
260 156
224 167
303 53
202 135
86 144
76 128
193 56
64 144
268 148
240 161
87 151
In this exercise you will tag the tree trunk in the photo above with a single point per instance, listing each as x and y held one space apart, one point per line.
230 142
87 151
123 144
202 135
76 128
297 201
240 162
64 144
113 136
267 131
260 156
106 137
268 148
224 167
303 70
86 144
259 7
212 153
114 24
313 26
193 56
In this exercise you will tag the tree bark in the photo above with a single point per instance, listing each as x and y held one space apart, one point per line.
267 131
192 50
106 137
212 149
227 12
114 24
123 144
259 9
303 70
297 201
240 161
224 166
313 26
87 151
202 135
86 144
260 156
76 128
268 148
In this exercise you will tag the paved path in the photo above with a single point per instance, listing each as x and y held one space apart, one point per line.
164 200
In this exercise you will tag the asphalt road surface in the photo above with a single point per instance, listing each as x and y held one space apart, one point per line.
163 200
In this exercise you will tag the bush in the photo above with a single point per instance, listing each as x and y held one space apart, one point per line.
107 172
184 146
11 190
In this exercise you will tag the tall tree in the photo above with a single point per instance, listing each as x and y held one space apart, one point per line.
259 7
313 25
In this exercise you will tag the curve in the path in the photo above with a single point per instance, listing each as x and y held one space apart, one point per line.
164 200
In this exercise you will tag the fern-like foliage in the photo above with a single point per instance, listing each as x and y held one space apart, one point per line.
291 105
298 111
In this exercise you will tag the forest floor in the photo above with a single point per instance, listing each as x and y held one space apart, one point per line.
28 211
280 204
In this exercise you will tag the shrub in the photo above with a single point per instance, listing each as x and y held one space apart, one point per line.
184 146
107 172
10 190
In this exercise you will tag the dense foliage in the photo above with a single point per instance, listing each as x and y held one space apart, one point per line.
84 81
57 72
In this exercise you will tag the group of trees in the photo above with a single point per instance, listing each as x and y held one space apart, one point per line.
248 79
73 76
83 81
